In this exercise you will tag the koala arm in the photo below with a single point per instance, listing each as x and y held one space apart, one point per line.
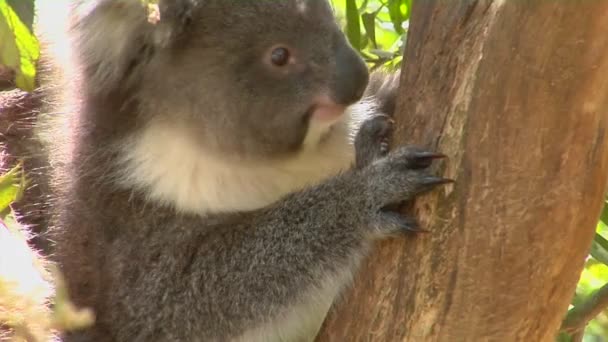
263 275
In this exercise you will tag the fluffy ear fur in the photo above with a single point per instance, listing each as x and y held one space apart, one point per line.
116 38
111 36
175 16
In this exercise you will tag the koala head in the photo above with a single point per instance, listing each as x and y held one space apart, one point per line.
249 78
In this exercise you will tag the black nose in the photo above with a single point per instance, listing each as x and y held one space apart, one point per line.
351 74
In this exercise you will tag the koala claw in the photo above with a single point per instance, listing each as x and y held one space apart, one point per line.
423 159
392 223
402 175
433 180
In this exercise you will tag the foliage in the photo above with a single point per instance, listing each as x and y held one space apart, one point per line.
594 276
19 48
27 282
376 28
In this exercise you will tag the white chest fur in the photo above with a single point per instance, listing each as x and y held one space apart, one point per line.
170 167
167 164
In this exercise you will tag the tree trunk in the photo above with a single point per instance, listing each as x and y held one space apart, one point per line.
516 94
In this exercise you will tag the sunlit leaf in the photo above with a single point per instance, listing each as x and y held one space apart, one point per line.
12 185
19 49
395 10
369 23
599 249
377 41
604 215
25 11
353 27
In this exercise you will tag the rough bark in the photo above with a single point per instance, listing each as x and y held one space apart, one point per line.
516 94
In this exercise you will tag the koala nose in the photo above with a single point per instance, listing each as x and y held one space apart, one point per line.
351 75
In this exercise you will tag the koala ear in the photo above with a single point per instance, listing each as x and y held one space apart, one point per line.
173 19
116 37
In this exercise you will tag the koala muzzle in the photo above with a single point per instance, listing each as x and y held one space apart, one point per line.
351 75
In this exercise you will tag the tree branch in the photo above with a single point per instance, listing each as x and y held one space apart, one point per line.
577 336
523 120
578 317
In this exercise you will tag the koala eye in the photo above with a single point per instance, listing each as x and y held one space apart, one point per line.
279 56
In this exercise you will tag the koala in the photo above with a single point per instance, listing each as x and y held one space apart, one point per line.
220 168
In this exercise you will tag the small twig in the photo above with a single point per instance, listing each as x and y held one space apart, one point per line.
577 336
578 317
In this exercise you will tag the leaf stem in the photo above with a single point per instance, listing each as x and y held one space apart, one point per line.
578 317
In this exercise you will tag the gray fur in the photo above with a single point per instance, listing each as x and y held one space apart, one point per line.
154 273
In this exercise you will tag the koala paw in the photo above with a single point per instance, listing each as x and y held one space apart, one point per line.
401 175
372 140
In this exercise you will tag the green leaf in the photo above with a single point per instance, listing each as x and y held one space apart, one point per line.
604 215
363 6
395 9
376 41
599 249
353 27
25 11
19 49
563 337
12 185
369 23
407 11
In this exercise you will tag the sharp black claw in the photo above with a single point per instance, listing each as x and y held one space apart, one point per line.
432 180
431 155
401 223
422 160
414 228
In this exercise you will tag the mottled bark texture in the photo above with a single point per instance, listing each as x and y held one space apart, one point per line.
516 94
